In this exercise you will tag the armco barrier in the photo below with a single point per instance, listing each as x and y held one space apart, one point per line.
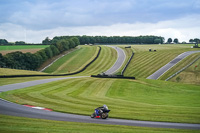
122 73
14 76
182 69
112 76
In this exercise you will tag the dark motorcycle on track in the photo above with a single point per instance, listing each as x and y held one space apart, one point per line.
101 112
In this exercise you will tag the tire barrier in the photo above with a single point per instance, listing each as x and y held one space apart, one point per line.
14 76
122 73
112 76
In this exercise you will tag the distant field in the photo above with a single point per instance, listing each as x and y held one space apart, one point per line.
128 99
144 63
24 48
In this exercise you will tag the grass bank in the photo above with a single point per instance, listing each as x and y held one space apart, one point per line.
25 125
191 75
7 71
144 63
128 99
106 60
73 61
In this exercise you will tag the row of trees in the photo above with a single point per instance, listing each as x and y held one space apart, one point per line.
170 40
5 42
195 40
110 40
28 61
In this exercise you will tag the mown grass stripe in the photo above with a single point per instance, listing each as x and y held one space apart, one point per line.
130 99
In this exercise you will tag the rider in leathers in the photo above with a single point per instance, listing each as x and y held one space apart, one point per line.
100 110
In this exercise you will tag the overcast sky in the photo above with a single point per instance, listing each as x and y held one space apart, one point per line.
34 20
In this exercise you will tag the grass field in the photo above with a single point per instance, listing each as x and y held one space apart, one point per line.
73 61
7 71
25 125
78 59
140 99
144 63
20 47
191 75
106 60
128 99
23 48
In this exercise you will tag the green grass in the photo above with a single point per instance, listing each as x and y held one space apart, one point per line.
128 99
180 65
191 75
144 63
78 59
73 61
20 124
128 52
20 47
6 81
7 71
103 63
106 60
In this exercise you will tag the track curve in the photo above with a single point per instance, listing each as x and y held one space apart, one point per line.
120 61
9 108
169 65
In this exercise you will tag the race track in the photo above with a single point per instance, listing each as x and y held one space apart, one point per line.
172 63
120 61
9 108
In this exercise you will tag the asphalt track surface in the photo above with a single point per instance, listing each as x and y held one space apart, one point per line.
120 61
9 108
169 65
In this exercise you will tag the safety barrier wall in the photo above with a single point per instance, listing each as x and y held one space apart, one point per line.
13 76
112 76
122 73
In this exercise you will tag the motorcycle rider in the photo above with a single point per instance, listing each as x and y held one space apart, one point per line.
100 109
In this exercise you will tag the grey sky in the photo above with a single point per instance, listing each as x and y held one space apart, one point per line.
33 20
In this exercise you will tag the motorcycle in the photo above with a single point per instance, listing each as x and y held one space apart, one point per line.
101 112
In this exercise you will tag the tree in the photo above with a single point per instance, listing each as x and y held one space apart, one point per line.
48 52
54 50
196 40
76 41
175 40
169 40
2 61
71 43
191 40
157 41
46 41
43 55
20 43
59 46
3 42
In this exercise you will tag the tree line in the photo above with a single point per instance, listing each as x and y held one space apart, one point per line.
195 40
110 40
29 61
5 42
